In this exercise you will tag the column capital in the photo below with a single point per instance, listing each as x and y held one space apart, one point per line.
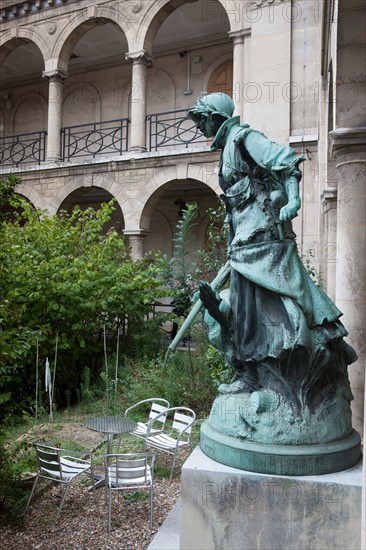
143 56
329 198
136 232
348 144
239 36
56 74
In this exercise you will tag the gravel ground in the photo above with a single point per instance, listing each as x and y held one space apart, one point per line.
83 525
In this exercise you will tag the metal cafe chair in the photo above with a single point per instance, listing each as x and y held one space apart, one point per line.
158 407
61 466
129 471
178 436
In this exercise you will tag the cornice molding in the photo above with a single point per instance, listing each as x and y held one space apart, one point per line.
346 141
263 3
14 10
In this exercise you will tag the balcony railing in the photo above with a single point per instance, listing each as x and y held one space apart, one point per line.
169 130
23 149
172 129
98 138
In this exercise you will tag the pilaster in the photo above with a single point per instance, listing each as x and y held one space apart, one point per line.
349 150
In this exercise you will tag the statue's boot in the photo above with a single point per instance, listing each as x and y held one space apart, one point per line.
244 381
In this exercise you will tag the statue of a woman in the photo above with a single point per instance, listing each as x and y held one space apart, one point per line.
279 330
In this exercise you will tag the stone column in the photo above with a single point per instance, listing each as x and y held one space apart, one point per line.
138 100
136 243
348 147
363 511
55 84
329 245
238 70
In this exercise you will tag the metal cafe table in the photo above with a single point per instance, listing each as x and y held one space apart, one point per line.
110 425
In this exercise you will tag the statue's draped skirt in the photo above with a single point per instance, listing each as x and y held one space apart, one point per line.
275 304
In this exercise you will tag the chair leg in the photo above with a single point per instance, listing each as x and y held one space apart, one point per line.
173 464
62 501
30 496
151 507
93 482
110 510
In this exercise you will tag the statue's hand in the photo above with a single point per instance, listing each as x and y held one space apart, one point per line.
211 301
289 211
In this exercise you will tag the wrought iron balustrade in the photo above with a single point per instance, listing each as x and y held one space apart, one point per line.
172 129
23 149
97 138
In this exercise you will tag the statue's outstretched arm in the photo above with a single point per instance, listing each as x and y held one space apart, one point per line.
289 211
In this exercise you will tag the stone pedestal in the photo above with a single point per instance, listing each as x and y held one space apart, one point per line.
225 508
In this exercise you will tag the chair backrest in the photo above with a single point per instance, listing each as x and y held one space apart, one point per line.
129 467
158 405
157 408
48 460
183 421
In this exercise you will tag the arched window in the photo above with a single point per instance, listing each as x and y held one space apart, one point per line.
221 79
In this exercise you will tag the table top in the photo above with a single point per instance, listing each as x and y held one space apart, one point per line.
110 424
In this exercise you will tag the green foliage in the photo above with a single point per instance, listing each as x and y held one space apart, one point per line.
186 380
308 261
7 187
13 489
63 276
221 372
214 254
181 265
135 496
178 271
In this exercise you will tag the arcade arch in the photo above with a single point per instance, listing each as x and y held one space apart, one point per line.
93 197
194 18
89 41
163 210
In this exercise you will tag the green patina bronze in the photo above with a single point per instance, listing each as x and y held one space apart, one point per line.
279 330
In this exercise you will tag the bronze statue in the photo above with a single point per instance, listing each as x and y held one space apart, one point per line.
279 330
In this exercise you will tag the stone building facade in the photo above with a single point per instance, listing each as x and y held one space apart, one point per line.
93 106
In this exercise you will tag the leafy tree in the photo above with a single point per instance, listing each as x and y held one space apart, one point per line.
7 187
63 277
214 254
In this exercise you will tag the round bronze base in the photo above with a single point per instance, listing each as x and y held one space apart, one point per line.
298 460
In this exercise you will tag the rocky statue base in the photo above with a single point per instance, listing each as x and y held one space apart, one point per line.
257 432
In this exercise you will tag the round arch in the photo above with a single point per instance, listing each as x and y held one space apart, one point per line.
72 33
163 210
81 100
220 76
9 42
161 9
93 197
31 113
26 189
